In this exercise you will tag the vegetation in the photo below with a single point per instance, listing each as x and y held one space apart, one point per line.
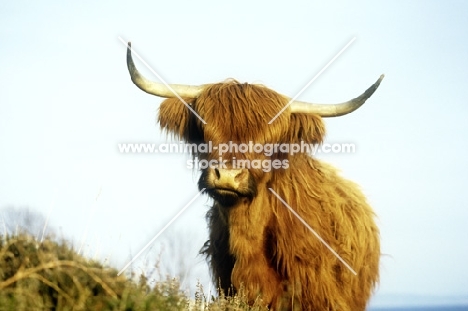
50 275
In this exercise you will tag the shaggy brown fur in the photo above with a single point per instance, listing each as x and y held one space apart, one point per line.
255 241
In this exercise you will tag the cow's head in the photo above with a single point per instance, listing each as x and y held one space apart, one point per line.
236 113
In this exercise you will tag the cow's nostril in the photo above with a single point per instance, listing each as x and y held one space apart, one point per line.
218 175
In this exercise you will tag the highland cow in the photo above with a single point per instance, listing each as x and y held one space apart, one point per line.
255 241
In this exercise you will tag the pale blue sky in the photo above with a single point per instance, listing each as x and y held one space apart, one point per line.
66 101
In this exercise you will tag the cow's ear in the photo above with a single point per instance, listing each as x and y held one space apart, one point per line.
306 127
174 117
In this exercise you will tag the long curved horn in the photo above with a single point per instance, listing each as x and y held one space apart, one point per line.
335 110
159 89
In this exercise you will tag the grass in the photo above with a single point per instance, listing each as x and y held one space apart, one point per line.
52 276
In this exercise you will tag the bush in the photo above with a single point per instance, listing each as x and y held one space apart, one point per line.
52 276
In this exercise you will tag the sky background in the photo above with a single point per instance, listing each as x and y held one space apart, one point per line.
66 102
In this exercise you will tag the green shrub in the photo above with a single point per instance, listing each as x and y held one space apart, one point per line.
52 276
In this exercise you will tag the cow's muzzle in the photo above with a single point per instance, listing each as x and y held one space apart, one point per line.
227 186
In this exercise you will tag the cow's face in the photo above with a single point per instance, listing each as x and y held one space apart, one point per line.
237 117
239 113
